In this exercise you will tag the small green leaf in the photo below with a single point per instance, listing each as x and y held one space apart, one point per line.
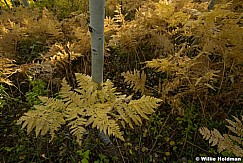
167 153
172 143
85 160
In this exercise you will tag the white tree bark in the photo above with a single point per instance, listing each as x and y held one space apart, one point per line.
96 28
97 15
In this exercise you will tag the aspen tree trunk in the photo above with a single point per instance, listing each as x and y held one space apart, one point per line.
96 28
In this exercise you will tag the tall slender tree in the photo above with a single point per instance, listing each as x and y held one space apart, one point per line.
96 28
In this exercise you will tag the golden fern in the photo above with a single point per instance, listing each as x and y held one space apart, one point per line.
162 65
103 109
59 55
46 117
135 110
119 18
136 80
226 142
7 68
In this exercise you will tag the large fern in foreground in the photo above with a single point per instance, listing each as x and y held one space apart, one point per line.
227 142
104 109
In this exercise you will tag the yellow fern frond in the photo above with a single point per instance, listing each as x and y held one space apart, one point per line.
124 114
214 136
74 98
103 109
161 65
136 80
236 127
226 142
7 68
144 105
101 119
85 82
133 110
6 81
76 122
43 119
108 92
59 55
55 104
64 89
119 18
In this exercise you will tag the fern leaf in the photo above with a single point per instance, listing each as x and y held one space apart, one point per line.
72 112
101 120
102 109
56 104
227 142
64 90
236 127
71 97
216 137
40 126
136 80
85 82
44 119
6 81
7 68
136 108
133 115
114 129
161 65
31 125
108 92
237 139
146 104
205 132
123 114
77 128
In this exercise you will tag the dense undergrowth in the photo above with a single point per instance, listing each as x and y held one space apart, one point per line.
179 52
